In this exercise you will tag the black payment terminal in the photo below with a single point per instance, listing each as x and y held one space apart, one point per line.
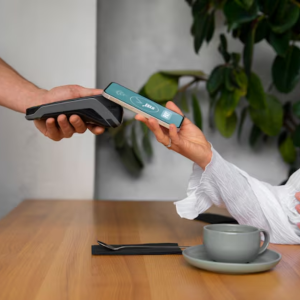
95 110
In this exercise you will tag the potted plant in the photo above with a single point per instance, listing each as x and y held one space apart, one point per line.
234 89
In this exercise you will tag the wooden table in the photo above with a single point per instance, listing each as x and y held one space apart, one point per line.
45 253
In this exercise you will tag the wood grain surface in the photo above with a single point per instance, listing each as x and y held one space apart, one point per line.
45 253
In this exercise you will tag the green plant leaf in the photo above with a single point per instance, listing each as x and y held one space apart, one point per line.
296 136
129 159
210 27
235 57
199 30
189 2
147 144
280 42
268 6
245 4
135 147
197 112
248 51
226 125
144 127
223 43
212 103
296 27
184 103
261 31
200 7
287 107
229 101
179 73
119 136
240 79
296 109
286 70
288 151
256 95
223 48
236 14
243 117
229 84
269 119
282 137
215 80
142 92
161 87
255 134
285 18
243 31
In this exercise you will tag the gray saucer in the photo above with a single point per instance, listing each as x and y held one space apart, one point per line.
198 257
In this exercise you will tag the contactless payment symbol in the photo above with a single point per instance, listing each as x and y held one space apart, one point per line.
144 104
166 115
120 93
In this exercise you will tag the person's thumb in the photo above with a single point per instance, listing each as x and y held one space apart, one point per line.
86 92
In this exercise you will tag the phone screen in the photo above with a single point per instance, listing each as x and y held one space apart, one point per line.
144 104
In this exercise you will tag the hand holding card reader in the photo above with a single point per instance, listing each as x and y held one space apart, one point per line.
96 110
141 105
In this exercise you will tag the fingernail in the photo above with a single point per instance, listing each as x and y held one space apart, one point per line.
298 194
298 225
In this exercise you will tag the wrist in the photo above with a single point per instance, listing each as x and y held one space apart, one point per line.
33 97
205 156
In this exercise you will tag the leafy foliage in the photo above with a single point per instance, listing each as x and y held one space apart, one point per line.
235 91
197 112
287 150
286 70
268 119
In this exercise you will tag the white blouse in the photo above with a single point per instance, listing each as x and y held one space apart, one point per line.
248 200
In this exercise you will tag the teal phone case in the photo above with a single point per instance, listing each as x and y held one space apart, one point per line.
144 104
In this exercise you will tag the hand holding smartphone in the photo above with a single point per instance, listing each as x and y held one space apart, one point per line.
142 105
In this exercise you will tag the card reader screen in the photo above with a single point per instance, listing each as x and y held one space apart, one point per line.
144 104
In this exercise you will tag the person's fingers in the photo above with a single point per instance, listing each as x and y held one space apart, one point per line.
66 129
159 134
174 135
41 126
86 92
162 134
298 225
78 124
141 118
95 129
298 206
172 106
52 131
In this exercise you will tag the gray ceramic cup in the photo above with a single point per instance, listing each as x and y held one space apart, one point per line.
234 243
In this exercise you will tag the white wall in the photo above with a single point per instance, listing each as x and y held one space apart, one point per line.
138 38
50 43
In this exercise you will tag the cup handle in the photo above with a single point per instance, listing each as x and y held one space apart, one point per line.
265 245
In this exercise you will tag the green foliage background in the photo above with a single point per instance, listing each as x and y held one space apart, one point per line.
233 83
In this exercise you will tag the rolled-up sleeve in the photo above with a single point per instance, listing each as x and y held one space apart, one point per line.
248 200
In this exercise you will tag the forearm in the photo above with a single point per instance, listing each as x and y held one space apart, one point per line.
250 201
16 92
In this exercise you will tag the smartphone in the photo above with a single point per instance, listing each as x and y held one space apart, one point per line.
141 105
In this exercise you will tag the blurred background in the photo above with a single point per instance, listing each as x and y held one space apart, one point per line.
92 43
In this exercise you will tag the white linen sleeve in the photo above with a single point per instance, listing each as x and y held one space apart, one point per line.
248 200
